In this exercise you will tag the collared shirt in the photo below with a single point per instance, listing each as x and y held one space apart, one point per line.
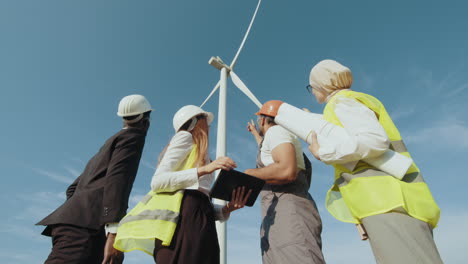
166 179
361 136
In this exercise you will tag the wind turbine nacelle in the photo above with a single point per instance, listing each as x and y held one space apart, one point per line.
218 63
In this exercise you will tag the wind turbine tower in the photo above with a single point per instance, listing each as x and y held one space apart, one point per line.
225 72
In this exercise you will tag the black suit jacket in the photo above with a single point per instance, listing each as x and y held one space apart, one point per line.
100 194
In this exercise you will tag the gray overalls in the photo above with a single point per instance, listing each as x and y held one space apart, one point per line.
291 224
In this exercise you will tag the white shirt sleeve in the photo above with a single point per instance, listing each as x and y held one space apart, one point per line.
277 136
219 215
111 228
361 137
166 179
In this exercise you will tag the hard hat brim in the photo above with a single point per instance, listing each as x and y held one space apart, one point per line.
259 114
133 113
210 117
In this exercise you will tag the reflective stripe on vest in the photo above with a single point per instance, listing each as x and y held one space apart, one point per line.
154 217
366 191
164 215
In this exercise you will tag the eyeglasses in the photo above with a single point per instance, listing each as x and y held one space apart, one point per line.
309 88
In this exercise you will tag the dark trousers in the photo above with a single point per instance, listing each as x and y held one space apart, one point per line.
76 245
195 240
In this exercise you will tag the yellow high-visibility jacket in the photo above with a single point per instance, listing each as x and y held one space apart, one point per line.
367 191
155 216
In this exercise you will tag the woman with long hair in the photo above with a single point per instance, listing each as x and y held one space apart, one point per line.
175 222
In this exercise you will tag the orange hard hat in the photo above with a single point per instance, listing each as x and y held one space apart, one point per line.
270 108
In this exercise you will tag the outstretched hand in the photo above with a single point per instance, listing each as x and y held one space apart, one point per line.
251 127
224 163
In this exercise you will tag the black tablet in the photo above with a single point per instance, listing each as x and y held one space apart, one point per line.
230 180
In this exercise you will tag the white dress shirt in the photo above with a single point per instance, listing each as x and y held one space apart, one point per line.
167 179
361 136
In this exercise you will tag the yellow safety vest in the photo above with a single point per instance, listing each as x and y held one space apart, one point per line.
155 216
367 191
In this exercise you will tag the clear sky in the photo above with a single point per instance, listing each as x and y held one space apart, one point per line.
64 65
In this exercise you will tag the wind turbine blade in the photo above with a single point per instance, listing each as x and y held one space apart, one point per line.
233 63
211 94
240 84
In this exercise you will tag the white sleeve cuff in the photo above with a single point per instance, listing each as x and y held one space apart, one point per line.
192 177
111 228
219 215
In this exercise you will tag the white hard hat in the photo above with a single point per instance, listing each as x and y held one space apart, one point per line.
134 104
189 112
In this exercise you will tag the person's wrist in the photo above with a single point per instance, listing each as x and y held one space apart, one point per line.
200 171
203 170
226 209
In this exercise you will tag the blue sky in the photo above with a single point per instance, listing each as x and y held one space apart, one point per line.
64 65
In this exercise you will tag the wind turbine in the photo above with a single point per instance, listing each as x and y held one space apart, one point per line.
227 71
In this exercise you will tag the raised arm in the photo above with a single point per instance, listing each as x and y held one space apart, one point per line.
361 136
253 130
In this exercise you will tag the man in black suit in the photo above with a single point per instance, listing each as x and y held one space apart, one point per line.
83 229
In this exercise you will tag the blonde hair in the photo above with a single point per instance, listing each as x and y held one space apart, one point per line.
200 139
